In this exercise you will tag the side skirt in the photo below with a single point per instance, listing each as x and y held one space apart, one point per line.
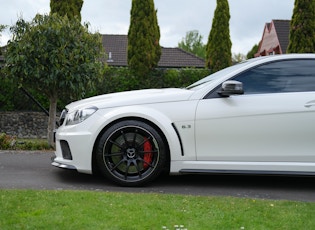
245 172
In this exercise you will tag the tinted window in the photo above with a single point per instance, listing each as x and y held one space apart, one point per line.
279 77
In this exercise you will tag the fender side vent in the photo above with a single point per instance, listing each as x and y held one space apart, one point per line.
180 140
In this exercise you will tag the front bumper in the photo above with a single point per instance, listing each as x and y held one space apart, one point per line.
61 165
74 149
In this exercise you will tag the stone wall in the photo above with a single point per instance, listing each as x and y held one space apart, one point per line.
24 124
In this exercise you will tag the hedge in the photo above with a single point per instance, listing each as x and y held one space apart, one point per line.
115 80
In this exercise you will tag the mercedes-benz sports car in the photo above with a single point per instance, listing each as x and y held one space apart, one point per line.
256 117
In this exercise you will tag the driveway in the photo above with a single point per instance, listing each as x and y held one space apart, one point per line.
32 170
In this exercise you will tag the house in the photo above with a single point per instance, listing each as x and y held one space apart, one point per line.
116 50
275 38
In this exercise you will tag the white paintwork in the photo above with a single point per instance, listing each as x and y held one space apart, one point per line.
261 132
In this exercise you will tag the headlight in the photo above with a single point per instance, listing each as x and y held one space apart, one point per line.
80 115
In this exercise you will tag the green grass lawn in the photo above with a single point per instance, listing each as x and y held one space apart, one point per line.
28 209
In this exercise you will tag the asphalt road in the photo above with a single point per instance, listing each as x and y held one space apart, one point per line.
32 170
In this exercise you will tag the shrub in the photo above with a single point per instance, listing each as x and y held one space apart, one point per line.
116 79
6 141
32 144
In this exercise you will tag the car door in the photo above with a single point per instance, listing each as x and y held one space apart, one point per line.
274 121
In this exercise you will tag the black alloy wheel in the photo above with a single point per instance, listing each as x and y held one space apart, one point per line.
131 153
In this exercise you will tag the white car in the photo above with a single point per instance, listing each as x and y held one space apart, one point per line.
256 117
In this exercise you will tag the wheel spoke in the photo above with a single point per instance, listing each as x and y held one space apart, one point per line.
114 154
148 163
127 170
124 136
137 167
118 164
145 140
117 144
134 137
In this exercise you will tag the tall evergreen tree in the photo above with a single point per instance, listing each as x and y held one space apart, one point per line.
219 44
144 49
302 32
71 8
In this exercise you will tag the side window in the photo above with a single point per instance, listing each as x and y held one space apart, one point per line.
279 77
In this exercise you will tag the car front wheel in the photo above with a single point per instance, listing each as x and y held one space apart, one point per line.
131 153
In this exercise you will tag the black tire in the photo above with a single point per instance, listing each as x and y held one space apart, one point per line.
131 153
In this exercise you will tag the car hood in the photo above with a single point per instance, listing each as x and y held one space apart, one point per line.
136 97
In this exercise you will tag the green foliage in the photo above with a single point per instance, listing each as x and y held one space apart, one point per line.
122 79
29 209
144 49
2 27
238 57
193 43
8 98
8 142
12 97
70 8
114 80
252 52
302 33
55 56
219 44
32 145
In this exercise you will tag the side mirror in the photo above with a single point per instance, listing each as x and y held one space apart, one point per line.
231 88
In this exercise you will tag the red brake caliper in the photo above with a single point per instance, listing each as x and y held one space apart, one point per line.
147 148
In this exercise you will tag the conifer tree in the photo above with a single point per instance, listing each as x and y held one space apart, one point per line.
302 28
219 44
71 8
144 49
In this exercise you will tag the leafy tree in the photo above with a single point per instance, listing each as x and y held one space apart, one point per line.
71 8
302 33
193 43
2 27
219 44
252 52
56 56
238 57
144 49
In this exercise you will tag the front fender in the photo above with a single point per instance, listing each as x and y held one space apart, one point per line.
146 113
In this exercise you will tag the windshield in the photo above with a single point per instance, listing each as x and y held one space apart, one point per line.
216 75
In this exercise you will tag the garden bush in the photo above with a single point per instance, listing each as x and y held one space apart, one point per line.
8 142
116 79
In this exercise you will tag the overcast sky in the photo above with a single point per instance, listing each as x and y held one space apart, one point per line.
175 17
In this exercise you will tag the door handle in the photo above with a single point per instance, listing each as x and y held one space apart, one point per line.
309 104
